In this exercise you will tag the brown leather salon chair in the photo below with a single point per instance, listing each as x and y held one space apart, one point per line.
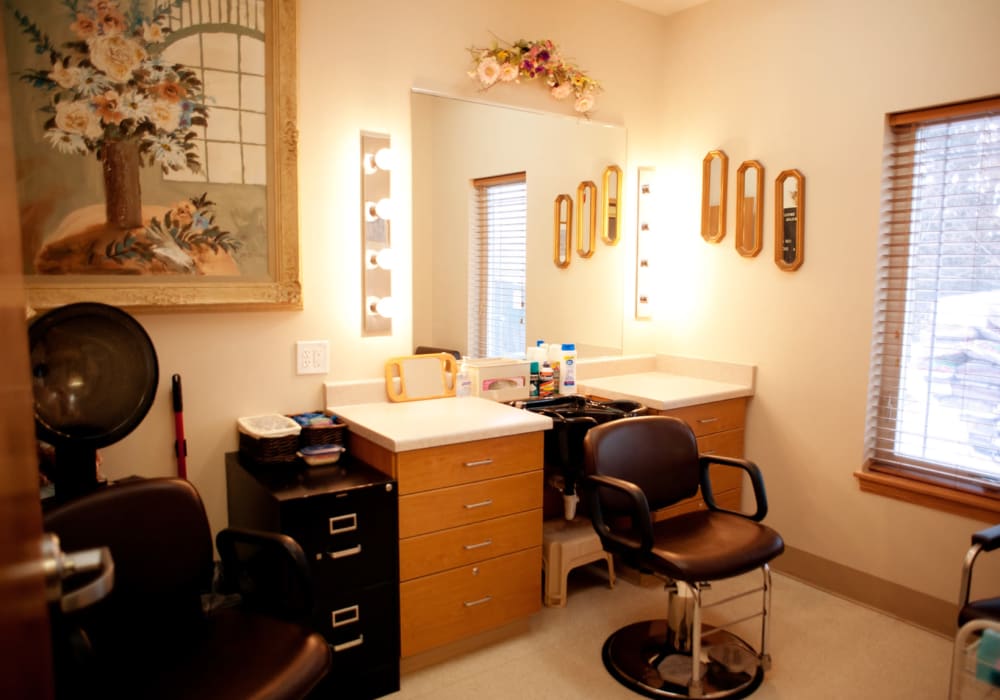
986 540
637 466
153 636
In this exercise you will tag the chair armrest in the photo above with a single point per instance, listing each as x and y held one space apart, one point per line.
267 569
756 480
638 510
988 539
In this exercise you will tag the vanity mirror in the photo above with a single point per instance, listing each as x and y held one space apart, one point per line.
610 211
714 176
454 142
789 219
586 219
749 208
563 231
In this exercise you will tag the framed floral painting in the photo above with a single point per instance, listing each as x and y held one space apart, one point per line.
155 145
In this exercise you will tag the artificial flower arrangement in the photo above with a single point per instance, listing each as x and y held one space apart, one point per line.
505 63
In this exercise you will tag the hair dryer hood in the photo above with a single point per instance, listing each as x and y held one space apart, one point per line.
94 375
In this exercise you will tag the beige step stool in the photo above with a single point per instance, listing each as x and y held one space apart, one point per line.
567 544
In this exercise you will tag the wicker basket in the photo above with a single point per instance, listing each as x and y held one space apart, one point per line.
322 435
269 450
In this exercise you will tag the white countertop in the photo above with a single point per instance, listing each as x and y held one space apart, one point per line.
414 425
662 390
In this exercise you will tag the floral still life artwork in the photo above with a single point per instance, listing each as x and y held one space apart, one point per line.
141 138
529 60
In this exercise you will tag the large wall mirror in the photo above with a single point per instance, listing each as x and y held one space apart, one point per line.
714 179
456 141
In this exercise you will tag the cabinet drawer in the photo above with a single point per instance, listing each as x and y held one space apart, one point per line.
345 536
726 444
442 608
430 511
712 417
462 463
359 625
437 551
730 500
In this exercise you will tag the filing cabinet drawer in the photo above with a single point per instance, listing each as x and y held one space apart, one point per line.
714 417
446 549
444 607
345 536
360 625
462 463
421 513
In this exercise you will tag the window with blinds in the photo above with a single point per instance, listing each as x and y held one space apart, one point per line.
498 267
934 405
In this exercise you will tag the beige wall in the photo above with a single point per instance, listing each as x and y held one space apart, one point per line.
806 85
358 61
793 83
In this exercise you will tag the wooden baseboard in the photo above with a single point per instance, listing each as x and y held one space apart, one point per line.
928 612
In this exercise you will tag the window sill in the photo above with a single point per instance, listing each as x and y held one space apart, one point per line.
970 505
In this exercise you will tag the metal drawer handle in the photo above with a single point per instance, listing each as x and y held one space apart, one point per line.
343 523
707 420
479 463
478 545
481 504
350 552
473 603
350 645
345 616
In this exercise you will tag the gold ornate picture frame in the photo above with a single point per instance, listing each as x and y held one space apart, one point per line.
156 152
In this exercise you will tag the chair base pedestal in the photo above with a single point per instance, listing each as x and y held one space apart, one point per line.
635 656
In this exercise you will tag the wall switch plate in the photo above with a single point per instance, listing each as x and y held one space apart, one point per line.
312 357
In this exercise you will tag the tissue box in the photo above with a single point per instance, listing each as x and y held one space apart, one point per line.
500 379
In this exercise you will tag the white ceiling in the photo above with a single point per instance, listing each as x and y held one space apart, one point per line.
664 7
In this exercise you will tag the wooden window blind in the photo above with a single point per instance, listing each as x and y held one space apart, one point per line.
498 266
934 386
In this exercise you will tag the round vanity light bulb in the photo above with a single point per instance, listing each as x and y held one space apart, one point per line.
385 258
368 163
383 208
370 212
385 158
385 307
371 259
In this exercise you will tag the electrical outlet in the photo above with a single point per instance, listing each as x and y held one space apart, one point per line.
312 357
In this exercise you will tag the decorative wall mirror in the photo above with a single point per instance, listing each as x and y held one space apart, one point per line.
789 219
563 231
610 211
376 263
749 208
586 219
714 176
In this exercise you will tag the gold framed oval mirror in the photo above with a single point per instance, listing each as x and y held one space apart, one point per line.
586 219
789 219
562 251
611 183
714 177
749 208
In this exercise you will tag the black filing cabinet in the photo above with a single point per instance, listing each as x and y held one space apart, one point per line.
346 518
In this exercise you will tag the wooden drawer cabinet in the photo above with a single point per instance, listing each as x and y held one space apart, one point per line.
470 534
719 428
456 603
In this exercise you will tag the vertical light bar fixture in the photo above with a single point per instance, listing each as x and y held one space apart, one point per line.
645 277
376 253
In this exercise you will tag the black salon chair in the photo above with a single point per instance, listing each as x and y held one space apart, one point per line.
983 608
153 635
634 467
